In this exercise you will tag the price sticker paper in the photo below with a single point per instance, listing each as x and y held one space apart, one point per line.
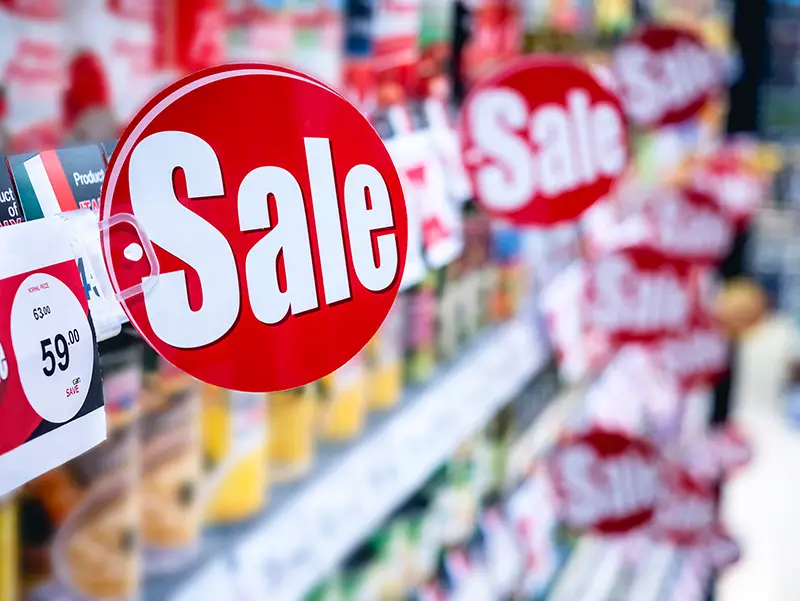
51 402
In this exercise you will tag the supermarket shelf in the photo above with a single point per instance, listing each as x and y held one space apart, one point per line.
544 432
310 527
607 569
591 571
657 574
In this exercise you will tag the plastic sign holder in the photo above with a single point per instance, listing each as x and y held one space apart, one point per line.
51 398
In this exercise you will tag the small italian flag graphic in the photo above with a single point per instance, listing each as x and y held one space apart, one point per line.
43 187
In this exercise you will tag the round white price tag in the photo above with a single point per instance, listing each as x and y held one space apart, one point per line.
54 346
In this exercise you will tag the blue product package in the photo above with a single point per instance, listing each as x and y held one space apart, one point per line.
506 243
359 25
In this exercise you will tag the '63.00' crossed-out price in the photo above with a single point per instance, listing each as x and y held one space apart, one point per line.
51 338
41 312
61 344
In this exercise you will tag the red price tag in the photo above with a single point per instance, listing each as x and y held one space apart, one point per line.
606 482
279 227
666 75
543 141
51 404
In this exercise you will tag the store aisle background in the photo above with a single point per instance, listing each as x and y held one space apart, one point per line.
761 505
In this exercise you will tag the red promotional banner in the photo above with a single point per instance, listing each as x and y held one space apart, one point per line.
396 33
718 454
686 514
735 186
542 140
697 357
495 38
33 66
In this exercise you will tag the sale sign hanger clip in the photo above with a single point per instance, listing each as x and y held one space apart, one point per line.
135 251
279 230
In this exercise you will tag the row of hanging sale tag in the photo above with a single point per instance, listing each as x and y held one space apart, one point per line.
635 310
398 208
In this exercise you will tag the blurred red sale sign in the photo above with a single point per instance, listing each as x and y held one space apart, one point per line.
686 513
635 295
279 230
666 75
542 141
688 225
606 481
189 35
697 357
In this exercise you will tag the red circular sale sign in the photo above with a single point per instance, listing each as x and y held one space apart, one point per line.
666 75
542 141
635 295
277 220
606 481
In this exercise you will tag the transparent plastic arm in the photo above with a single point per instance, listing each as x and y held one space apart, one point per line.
147 247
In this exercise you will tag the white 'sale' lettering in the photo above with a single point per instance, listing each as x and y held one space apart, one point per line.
196 242
549 151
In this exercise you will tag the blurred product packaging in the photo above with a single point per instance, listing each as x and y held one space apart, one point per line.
80 522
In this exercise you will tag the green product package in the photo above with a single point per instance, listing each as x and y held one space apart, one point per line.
435 22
